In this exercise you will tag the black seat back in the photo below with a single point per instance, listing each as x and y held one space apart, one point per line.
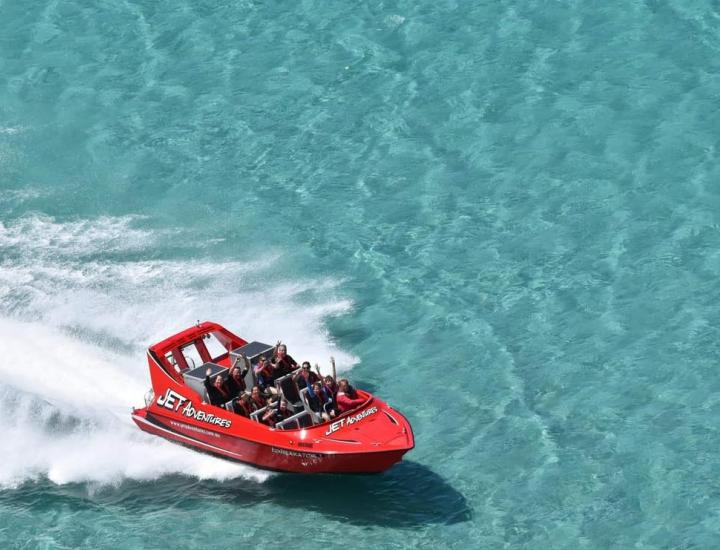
305 421
299 420
287 386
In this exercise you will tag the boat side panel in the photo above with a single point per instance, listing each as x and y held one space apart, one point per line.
266 456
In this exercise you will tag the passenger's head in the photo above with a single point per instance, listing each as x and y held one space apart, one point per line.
245 398
283 405
343 385
235 373
256 391
218 381
262 361
329 380
305 369
281 350
317 386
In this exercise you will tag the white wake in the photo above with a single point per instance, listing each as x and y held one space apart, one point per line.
75 320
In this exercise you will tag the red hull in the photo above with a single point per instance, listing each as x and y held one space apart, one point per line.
294 459
368 439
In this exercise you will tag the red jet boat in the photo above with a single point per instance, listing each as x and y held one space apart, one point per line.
368 439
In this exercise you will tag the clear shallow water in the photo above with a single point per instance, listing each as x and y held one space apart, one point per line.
503 218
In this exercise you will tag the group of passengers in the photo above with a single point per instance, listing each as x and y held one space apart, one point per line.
325 396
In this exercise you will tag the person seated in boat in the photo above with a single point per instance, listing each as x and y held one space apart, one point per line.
242 405
257 400
317 401
334 375
264 373
313 397
305 377
235 383
327 397
328 392
282 362
347 398
241 362
329 381
283 410
276 414
218 394
330 386
268 416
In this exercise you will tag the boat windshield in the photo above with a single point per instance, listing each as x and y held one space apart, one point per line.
192 355
217 344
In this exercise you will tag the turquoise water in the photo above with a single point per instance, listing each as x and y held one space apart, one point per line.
501 217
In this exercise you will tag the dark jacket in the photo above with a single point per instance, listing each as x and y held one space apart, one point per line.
242 409
286 366
216 396
259 404
234 387
315 402
302 383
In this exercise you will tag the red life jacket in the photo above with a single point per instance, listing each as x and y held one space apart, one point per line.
223 390
266 371
239 382
285 365
346 403
245 407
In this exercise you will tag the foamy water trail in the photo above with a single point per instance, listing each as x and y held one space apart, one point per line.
74 331
64 415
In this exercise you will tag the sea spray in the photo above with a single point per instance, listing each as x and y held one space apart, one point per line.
75 325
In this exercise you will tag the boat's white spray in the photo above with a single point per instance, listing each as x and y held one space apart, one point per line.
74 326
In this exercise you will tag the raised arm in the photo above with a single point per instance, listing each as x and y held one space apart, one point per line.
246 363
206 382
274 351
332 362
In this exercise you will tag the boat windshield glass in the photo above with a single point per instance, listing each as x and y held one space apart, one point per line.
216 344
192 356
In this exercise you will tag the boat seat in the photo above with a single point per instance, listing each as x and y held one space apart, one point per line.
305 421
250 378
255 415
252 351
317 419
299 420
195 378
289 390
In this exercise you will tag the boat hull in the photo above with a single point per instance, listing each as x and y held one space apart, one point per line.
294 457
